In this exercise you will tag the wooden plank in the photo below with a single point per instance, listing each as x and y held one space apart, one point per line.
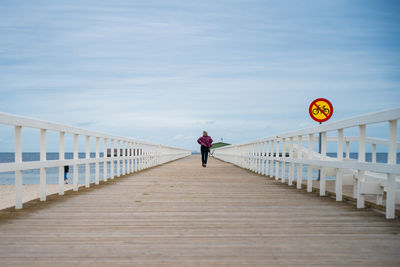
183 214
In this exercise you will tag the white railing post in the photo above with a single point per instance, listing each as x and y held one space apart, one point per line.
140 156
361 158
310 167
118 158
130 157
347 149
105 174
277 159
256 155
112 169
76 157
123 158
263 158
271 174
97 171
257 158
87 166
259 152
299 165
291 165
43 159
283 168
18 159
146 153
339 171
247 151
126 163
146 156
268 165
61 168
253 157
323 169
135 161
391 178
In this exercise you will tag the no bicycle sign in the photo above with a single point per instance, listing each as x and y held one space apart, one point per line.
321 110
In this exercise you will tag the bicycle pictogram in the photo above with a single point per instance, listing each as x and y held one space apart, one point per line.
323 109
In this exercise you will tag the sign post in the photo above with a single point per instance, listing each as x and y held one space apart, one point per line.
320 110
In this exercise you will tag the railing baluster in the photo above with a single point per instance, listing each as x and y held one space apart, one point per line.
291 165
271 174
141 157
299 165
18 159
323 169
112 170
391 178
87 166
75 181
310 167
130 157
97 171
259 149
339 171
118 158
123 158
134 157
361 158
283 168
43 170
277 159
268 166
105 163
61 168
262 157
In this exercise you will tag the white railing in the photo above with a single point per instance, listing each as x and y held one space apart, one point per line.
270 156
133 155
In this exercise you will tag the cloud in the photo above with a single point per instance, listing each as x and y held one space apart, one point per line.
166 71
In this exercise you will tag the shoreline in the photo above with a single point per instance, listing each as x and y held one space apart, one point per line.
29 192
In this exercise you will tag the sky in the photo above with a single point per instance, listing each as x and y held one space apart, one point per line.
164 71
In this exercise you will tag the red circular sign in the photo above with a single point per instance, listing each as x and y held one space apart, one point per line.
320 110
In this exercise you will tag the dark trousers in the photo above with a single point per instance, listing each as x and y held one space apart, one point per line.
204 154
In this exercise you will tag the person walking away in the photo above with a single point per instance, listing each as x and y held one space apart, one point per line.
66 170
206 142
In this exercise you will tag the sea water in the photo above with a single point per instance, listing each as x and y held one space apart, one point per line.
33 176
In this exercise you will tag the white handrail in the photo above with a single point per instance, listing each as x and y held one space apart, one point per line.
267 155
136 155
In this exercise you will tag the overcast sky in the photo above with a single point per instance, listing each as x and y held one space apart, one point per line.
163 71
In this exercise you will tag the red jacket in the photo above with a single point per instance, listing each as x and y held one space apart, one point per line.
205 141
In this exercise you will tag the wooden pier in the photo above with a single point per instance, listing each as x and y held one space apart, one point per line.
182 214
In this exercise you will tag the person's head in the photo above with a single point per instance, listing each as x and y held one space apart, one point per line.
205 133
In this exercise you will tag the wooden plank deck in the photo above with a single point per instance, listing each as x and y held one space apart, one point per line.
183 214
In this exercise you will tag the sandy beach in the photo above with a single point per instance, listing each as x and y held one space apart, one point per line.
29 192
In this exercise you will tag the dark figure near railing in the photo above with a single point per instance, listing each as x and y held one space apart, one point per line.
66 170
206 142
